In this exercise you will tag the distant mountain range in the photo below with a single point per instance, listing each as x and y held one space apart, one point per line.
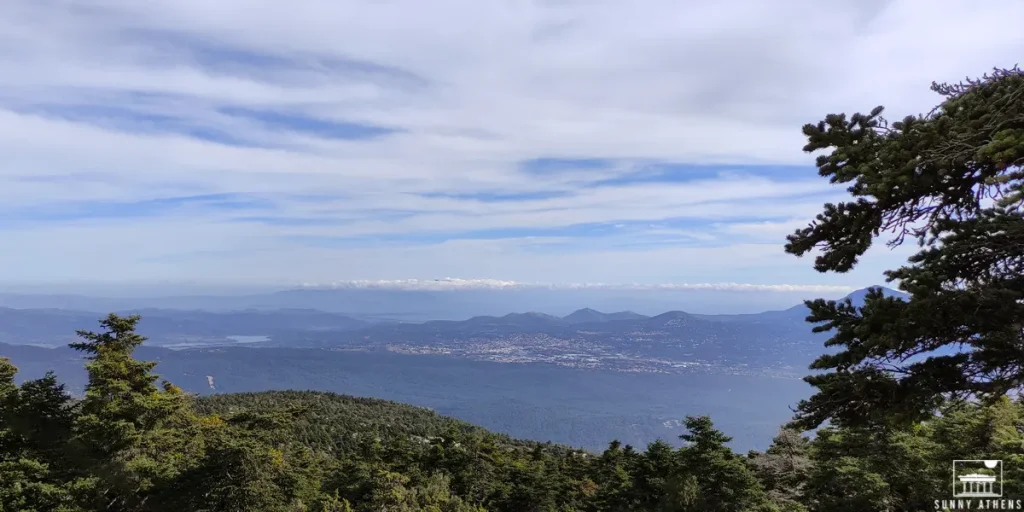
422 305
581 378
772 342
587 315
302 327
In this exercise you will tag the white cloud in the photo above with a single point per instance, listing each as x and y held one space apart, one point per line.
473 88
455 284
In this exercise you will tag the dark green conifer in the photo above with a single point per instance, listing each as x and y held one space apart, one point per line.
953 181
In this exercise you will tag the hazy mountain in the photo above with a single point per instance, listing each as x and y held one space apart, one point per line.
755 338
857 297
625 315
420 305
778 340
587 315
670 319
530 319
800 312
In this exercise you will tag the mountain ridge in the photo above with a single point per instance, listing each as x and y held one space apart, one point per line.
51 325
588 315
417 305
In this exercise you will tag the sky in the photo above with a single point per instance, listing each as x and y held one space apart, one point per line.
569 142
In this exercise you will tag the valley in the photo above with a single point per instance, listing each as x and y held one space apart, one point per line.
578 380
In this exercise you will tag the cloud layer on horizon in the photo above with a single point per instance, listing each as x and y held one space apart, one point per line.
529 141
455 284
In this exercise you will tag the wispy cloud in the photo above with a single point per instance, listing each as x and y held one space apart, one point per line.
88 210
317 127
453 284
653 141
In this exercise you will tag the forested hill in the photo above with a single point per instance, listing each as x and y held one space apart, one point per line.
337 423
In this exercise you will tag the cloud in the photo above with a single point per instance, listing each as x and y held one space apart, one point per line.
453 284
85 210
536 141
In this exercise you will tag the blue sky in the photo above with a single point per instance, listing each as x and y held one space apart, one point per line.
317 141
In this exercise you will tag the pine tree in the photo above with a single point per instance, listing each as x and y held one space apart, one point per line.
650 474
8 399
953 181
35 426
711 478
847 484
783 468
136 437
613 480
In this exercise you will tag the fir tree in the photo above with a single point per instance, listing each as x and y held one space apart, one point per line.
35 426
136 437
711 478
953 181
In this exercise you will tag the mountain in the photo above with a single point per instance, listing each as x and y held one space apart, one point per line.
857 297
419 305
626 315
673 341
670 319
587 315
769 343
776 341
773 341
529 320
799 312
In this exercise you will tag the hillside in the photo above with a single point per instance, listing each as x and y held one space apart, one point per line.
338 424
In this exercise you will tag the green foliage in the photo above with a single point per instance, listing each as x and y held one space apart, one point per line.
132 437
783 469
29 485
711 477
953 180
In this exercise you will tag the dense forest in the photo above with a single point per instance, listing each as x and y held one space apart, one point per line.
891 410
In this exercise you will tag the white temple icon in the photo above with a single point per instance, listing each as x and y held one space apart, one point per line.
975 484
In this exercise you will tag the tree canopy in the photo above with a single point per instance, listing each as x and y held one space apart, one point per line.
951 180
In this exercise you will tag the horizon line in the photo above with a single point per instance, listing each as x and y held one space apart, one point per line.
457 284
